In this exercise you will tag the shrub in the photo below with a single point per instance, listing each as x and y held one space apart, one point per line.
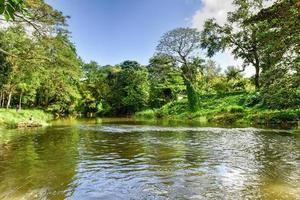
252 100
227 118
235 109
276 117
146 114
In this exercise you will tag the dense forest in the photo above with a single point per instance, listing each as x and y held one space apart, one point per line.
40 67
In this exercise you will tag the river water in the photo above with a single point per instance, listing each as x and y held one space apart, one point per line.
126 159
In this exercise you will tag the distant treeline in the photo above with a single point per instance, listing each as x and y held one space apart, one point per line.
39 66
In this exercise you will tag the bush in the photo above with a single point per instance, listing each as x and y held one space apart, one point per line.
276 117
159 114
235 109
280 88
146 114
227 118
252 100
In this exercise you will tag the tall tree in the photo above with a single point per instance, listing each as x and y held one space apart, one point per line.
281 79
36 16
165 80
130 91
182 44
245 40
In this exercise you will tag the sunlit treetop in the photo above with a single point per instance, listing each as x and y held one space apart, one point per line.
34 13
8 8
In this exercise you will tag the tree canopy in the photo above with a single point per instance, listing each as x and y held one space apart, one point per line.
39 65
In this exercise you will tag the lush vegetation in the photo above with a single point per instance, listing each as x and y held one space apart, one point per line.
232 108
41 69
11 118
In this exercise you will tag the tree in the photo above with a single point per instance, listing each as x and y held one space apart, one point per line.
32 63
281 88
35 16
245 40
182 44
38 63
281 21
60 94
94 88
16 39
165 80
129 89
233 73
281 79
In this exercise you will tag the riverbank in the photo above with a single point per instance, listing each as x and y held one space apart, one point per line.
225 109
10 118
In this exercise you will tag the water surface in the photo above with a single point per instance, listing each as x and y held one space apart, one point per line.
125 159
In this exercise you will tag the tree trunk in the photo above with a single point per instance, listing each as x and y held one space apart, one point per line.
1 95
256 61
192 96
3 100
20 101
8 100
256 78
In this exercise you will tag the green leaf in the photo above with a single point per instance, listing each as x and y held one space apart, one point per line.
6 15
10 10
1 9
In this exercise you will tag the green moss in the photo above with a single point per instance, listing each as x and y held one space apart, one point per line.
11 118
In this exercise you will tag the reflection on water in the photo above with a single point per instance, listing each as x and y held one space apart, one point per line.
125 160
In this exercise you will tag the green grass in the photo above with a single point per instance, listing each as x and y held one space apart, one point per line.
228 109
146 114
10 118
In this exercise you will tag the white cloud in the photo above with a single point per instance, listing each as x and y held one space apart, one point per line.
212 9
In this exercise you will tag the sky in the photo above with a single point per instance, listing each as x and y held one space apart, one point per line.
112 31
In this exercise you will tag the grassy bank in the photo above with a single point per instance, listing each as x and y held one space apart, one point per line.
10 118
226 109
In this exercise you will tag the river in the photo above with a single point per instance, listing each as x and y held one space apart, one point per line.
127 159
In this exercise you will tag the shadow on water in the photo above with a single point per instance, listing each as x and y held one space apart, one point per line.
129 159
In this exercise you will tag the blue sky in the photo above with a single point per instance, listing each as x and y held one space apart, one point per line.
111 31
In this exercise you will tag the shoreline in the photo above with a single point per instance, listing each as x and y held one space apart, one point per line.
13 119
10 118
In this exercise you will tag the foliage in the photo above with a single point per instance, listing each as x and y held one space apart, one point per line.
281 87
252 99
224 109
147 114
165 80
40 68
131 89
181 44
245 40
276 116
31 63
93 88
11 118
8 8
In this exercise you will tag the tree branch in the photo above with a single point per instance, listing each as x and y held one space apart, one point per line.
30 23
7 53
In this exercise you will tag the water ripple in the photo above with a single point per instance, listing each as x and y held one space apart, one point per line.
138 128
